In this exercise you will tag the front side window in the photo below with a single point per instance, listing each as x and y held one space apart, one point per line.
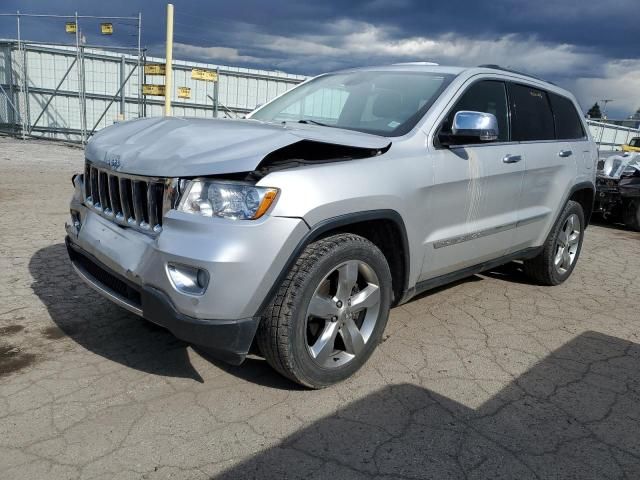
388 103
487 96
568 124
532 118
635 142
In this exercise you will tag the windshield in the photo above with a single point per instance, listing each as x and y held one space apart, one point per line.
379 102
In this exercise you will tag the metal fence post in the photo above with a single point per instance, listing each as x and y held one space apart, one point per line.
22 95
141 106
216 93
123 66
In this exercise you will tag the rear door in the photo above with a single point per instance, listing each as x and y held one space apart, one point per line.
550 164
471 208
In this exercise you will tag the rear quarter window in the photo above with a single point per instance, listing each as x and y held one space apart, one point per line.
568 123
531 113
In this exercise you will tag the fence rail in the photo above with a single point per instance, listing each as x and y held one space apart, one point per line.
609 136
61 92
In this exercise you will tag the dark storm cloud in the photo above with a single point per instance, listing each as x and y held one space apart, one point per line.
590 47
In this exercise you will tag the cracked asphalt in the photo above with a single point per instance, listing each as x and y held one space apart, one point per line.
491 377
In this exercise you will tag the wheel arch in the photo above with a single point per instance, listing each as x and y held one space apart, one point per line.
381 227
585 194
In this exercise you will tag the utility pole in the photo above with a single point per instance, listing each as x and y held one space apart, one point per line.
168 79
604 106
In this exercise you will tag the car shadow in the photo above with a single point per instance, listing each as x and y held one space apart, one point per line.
510 272
114 333
575 414
618 226
441 288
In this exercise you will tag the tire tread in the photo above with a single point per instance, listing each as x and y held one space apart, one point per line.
540 268
273 332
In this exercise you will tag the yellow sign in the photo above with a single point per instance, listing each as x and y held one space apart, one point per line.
70 27
154 69
106 28
184 92
153 90
200 74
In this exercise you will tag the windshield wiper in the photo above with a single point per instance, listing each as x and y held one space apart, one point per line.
314 123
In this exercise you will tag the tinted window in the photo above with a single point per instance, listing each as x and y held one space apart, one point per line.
488 96
568 124
531 115
635 142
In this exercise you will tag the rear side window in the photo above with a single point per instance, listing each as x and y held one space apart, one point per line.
532 118
568 124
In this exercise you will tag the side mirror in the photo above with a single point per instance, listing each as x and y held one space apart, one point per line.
480 125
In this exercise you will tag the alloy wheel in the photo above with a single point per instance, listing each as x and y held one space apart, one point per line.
567 244
342 314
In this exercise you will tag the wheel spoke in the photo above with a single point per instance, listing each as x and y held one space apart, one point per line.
322 306
353 340
366 298
574 238
566 259
347 278
325 344
569 227
557 261
563 237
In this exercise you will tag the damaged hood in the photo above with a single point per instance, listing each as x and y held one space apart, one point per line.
189 147
623 164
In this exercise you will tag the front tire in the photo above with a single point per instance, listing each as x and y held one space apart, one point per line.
329 312
561 250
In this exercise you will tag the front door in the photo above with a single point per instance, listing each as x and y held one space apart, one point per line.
473 205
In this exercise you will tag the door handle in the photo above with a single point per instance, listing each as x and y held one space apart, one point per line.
512 158
565 153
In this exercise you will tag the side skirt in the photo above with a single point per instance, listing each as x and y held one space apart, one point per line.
436 282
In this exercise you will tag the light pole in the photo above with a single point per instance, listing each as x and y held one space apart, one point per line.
604 106
168 79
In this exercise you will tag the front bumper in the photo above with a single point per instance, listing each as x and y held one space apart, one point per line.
243 260
228 340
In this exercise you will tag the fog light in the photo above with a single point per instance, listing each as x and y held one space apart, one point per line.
189 280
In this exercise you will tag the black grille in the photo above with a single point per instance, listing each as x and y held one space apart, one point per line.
106 279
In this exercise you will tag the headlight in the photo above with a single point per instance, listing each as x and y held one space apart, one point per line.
211 198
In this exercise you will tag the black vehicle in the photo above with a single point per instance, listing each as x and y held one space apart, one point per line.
618 189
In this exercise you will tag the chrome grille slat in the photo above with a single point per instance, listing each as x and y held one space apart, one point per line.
124 198
152 205
102 192
137 201
95 198
87 182
114 195
129 200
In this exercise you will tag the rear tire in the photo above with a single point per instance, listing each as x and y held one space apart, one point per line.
329 312
631 214
561 250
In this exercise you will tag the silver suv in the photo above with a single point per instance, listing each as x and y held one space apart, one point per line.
291 233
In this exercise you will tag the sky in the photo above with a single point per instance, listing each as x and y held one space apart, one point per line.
589 47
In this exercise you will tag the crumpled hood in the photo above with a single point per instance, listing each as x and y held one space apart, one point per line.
615 165
188 147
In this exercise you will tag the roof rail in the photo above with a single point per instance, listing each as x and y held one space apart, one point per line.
498 67
417 63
